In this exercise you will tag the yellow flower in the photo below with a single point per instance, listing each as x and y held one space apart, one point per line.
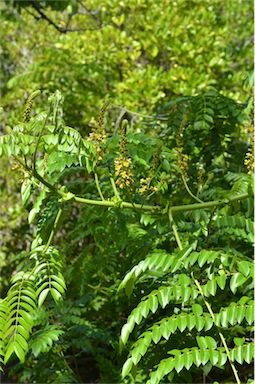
123 172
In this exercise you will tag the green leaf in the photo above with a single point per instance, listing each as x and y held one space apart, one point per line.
156 334
231 314
164 296
221 281
182 322
202 258
26 189
21 341
239 340
43 296
197 309
249 314
210 288
214 356
236 281
196 357
224 319
201 342
187 359
238 354
200 322
42 341
244 267
183 279
127 367
191 322
153 303
178 362
9 352
55 294
125 331
136 355
248 352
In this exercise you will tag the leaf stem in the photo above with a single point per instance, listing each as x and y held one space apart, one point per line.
39 138
53 231
204 299
116 193
189 191
174 227
220 334
98 187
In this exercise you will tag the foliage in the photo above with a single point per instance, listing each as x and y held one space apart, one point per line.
135 217
135 52
185 281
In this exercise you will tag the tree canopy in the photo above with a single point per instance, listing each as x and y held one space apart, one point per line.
126 215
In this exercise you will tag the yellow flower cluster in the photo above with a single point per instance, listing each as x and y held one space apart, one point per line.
183 162
145 185
249 161
249 157
98 134
98 138
123 172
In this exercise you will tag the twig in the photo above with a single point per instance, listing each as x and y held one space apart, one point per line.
57 27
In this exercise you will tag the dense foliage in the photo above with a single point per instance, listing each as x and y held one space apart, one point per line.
129 257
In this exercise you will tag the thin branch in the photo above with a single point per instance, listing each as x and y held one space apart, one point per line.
124 204
60 29
37 7
208 204
32 14
90 13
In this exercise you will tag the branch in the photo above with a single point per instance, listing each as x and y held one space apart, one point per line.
60 29
90 13
208 204
193 207
37 7
124 204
